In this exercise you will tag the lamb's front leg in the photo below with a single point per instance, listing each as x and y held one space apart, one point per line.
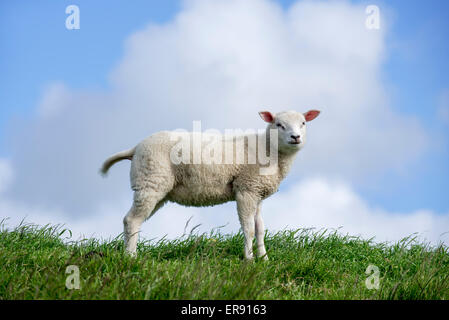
247 207
260 233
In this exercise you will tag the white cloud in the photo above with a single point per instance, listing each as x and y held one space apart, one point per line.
219 62
323 203
6 174
55 98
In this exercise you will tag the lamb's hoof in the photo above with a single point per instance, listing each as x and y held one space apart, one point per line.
264 257
132 254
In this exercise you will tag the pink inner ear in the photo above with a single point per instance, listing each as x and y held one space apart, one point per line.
266 116
312 114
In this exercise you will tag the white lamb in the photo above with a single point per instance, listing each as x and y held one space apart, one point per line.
156 178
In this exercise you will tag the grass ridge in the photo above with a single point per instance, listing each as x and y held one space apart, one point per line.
304 264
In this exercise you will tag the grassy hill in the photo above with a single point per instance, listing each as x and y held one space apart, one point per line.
304 264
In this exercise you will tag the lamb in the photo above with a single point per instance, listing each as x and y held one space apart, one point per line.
157 174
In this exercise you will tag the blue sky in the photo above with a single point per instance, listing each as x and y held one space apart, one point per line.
418 45
36 50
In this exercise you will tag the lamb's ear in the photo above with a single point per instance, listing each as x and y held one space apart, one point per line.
267 116
311 114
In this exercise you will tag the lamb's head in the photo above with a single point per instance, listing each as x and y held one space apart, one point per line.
291 127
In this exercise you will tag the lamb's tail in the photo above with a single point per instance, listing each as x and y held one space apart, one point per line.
126 154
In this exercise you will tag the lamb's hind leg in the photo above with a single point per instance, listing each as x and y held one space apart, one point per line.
146 203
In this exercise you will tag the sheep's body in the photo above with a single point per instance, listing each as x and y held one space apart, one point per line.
156 179
200 184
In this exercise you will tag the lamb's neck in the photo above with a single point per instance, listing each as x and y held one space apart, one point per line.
285 161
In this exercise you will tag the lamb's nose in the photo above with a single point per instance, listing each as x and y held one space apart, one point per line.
296 138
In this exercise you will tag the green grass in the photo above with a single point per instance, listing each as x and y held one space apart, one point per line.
304 264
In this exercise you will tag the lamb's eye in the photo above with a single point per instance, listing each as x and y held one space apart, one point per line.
304 123
280 126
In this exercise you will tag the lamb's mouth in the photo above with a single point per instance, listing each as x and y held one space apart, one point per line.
294 142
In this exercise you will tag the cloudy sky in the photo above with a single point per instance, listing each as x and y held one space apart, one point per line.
376 160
